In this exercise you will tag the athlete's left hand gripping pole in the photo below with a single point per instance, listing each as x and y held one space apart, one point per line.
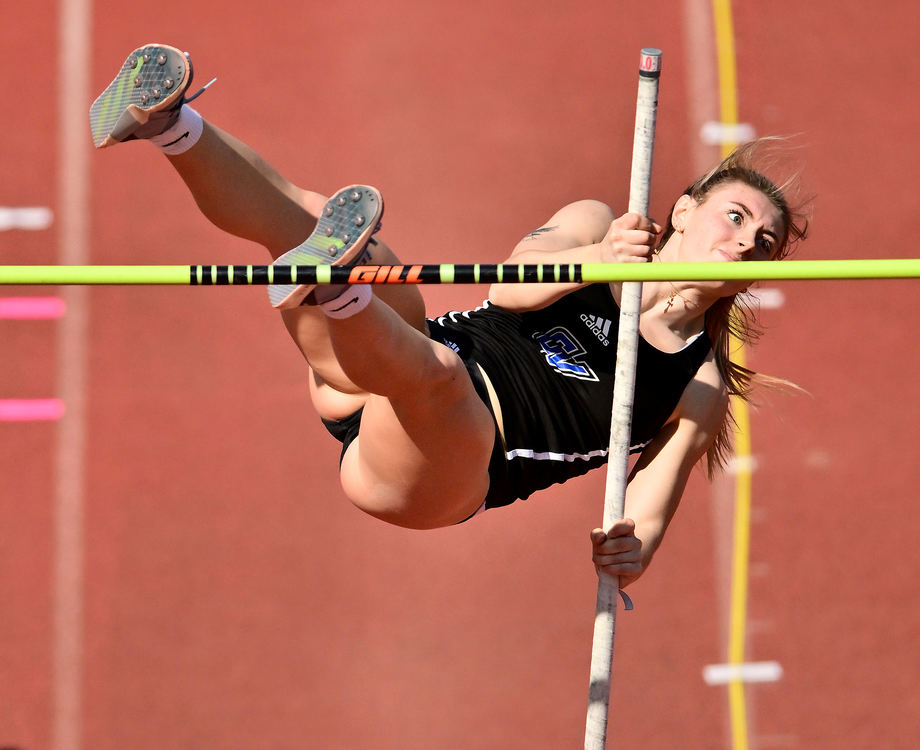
623 392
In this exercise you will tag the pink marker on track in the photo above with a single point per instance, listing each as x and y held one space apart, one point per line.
32 308
31 409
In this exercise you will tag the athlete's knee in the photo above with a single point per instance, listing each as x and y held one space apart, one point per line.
446 377
405 299
435 375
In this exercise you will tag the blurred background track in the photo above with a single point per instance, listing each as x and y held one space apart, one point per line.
232 598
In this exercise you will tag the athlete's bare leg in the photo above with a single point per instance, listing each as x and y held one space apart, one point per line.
426 437
242 194
421 456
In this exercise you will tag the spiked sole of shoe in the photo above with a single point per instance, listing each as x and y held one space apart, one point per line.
151 82
348 220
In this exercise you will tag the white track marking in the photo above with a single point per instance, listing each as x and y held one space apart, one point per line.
758 671
702 80
25 217
767 298
717 133
73 204
738 464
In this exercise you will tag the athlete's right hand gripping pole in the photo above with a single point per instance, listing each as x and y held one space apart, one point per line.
623 392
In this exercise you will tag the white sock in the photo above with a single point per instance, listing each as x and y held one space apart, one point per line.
350 302
181 136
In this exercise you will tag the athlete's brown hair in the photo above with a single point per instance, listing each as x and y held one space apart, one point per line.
734 317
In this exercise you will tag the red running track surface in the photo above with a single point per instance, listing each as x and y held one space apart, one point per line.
234 599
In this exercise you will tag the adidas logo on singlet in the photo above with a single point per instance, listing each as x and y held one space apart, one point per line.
599 326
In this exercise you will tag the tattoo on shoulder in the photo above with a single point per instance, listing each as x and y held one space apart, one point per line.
537 232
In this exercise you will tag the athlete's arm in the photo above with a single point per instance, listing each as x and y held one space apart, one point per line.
582 232
660 476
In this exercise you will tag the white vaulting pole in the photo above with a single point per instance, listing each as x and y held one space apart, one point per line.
623 391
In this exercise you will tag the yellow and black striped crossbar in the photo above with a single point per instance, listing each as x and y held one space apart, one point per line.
446 273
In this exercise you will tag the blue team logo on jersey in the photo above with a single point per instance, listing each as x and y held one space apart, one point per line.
564 354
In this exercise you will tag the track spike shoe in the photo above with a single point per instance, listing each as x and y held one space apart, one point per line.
145 97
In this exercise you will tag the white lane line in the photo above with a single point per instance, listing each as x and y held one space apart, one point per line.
756 671
718 133
766 298
739 464
32 218
73 68
702 79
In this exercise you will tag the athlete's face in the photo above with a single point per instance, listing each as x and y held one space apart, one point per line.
734 222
